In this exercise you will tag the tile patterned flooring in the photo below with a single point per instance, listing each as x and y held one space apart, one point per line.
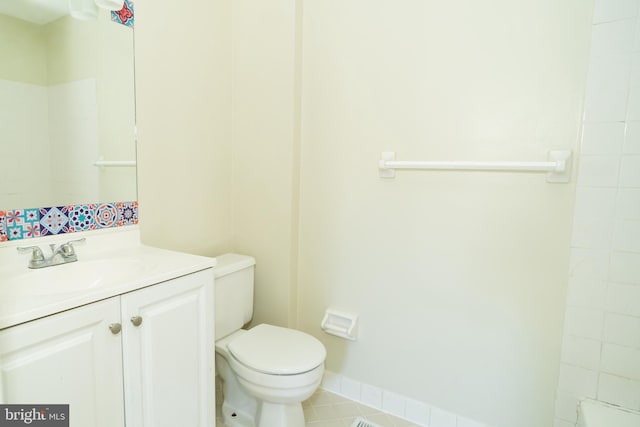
326 409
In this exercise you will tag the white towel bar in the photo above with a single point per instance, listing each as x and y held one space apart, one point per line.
558 166
115 163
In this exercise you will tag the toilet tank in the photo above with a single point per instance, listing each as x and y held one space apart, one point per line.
233 293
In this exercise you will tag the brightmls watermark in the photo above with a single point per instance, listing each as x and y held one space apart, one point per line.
34 415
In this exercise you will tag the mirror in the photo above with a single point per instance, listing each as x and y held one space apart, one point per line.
66 101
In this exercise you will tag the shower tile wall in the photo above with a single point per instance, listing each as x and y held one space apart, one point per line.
601 346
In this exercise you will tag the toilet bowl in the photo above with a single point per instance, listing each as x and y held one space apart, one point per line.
266 371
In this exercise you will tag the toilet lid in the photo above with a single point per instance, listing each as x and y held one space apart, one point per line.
277 351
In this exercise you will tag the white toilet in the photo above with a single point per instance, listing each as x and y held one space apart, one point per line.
266 371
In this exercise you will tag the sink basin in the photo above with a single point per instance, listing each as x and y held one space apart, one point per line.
79 276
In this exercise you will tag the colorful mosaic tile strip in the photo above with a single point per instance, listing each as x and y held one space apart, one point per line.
35 222
124 16
3 227
23 223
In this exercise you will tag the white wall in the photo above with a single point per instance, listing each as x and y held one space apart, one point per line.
459 278
601 346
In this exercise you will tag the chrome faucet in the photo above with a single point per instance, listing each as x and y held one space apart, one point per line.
63 254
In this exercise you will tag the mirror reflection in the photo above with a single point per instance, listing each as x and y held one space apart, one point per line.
66 102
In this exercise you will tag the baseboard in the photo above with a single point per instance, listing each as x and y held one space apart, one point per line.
394 404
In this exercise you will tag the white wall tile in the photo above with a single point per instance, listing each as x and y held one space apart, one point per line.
621 361
584 322
605 254
634 80
591 233
393 403
578 381
612 10
630 171
567 406
625 267
622 330
594 202
331 381
582 352
607 89
633 105
602 138
350 388
440 418
589 263
465 422
619 391
371 396
613 38
586 292
626 236
628 204
562 423
623 299
631 144
417 412
598 171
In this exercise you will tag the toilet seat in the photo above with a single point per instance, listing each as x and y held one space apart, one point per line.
277 351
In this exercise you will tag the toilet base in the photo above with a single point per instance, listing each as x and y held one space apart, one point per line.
267 415
279 414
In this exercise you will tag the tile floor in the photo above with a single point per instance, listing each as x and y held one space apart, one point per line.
326 409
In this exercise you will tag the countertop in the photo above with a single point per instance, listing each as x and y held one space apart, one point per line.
109 264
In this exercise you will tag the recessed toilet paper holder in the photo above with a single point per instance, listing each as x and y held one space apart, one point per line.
340 324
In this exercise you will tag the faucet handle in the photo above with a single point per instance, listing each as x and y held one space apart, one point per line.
82 240
67 248
36 252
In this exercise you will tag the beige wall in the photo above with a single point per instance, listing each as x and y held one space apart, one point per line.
183 90
22 51
264 153
459 278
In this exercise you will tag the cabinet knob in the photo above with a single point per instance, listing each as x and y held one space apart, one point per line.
115 328
136 320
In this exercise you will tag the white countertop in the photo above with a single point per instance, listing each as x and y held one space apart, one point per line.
109 264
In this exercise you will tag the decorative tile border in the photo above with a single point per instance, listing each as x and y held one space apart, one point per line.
125 15
23 223
27 223
3 227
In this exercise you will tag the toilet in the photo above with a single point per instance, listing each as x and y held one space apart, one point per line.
266 371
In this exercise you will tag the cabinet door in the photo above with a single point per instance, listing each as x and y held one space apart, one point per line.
169 357
68 358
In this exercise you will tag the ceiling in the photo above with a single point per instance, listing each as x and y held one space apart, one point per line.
35 11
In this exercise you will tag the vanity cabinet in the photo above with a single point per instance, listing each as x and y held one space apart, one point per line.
70 357
140 359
